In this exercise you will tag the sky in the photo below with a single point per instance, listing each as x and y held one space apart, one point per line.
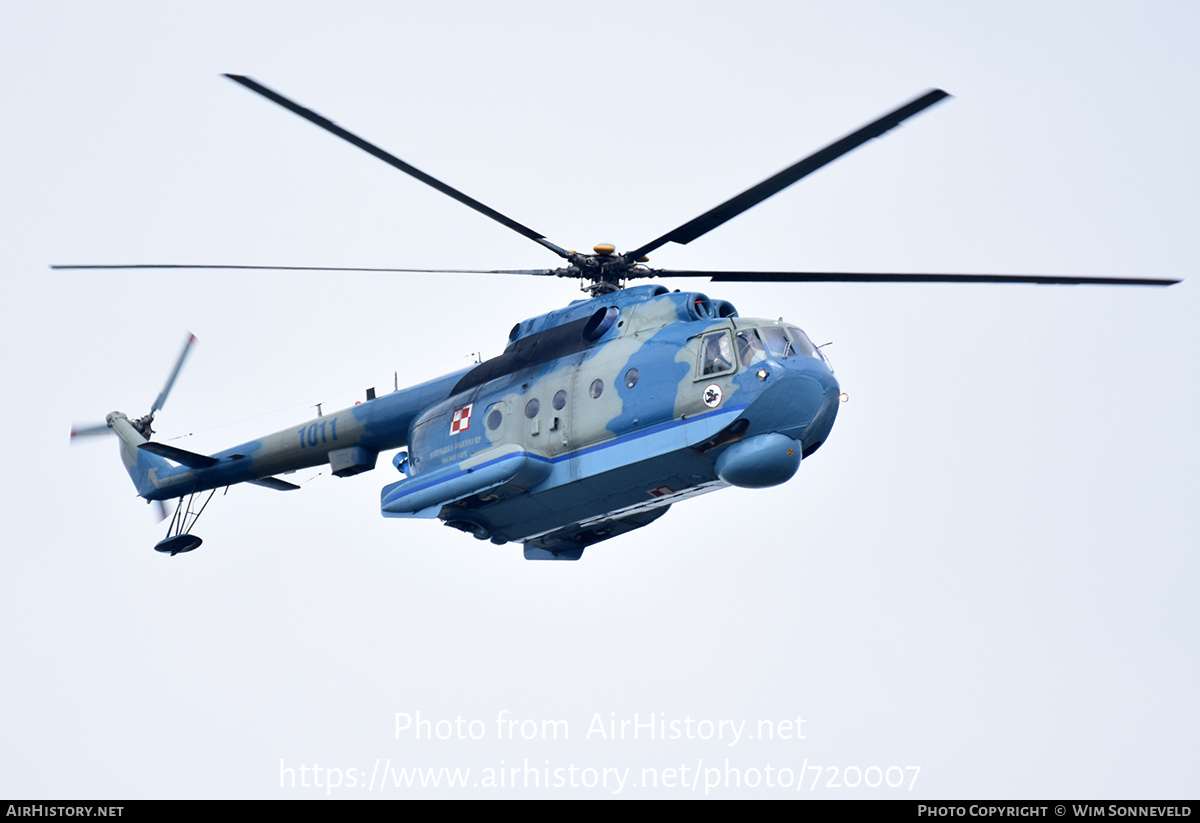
983 585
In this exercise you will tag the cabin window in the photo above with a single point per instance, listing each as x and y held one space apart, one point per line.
750 347
494 418
716 355
597 388
560 400
532 408
631 378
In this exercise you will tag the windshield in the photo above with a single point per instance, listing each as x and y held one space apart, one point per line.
781 341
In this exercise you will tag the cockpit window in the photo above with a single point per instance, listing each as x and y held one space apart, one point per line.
778 341
750 347
803 344
716 354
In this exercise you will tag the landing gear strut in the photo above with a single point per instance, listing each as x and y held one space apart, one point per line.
179 538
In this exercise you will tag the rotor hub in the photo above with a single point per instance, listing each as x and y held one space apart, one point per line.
603 272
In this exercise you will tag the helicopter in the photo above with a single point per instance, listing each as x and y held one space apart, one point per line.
594 420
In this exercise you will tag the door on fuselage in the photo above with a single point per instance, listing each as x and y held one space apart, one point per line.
546 413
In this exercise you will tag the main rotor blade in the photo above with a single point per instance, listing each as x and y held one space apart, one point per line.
873 277
773 185
162 395
307 268
396 162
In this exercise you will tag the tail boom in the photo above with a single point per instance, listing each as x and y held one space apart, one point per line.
349 440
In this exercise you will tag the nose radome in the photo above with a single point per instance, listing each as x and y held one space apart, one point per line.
800 404
822 423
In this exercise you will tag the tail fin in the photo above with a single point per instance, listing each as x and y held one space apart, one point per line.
140 464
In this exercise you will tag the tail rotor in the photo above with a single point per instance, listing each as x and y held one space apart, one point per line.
142 424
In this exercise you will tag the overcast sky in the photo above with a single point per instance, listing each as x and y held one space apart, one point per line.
985 581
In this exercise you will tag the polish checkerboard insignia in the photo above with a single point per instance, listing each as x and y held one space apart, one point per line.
461 421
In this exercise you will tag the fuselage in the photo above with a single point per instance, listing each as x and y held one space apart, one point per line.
594 419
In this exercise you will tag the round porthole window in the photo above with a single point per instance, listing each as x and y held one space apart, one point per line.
494 419
560 400
531 408
631 378
596 389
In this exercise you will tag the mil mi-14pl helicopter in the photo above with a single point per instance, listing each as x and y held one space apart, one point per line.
594 420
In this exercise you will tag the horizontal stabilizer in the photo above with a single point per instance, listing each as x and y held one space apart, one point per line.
181 456
274 483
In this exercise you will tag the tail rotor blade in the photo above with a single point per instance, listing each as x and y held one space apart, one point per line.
91 430
162 396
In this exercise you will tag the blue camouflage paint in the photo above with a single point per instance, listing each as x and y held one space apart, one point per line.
581 452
